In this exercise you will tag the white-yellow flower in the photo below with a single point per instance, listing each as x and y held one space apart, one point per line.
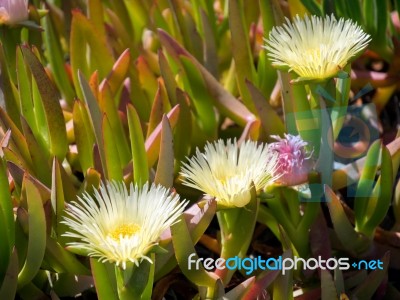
13 11
121 226
226 172
315 48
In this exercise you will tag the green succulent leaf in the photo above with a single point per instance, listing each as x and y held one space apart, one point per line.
198 218
328 289
57 200
350 239
165 166
84 135
168 77
210 42
313 7
9 284
161 106
380 200
7 227
152 144
238 291
24 78
199 96
63 261
339 281
370 284
53 119
183 247
96 118
270 120
350 9
241 51
17 143
55 56
112 159
258 288
133 14
139 157
8 87
108 107
39 156
83 34
282 286
118 73
224 101
376 17
366 184
184 130
37 234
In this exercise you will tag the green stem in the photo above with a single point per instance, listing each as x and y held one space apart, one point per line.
325 160
266 217
322 104
104 280
124 292
303 114
291 198
288 103
237 226
231 240
279 211
299 238
310 214
133 281
339 110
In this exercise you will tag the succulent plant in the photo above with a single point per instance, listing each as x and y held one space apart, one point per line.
112 111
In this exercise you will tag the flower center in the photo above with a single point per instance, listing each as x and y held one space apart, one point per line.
222 179
124 230
314 53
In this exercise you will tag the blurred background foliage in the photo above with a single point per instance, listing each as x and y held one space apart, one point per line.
126 90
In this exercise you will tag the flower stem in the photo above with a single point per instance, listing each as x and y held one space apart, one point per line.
325 156
104 279
133 280
266 217
237 226
295 226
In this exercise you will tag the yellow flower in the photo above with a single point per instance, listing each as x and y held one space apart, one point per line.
121 226
226 172
13 11
315 48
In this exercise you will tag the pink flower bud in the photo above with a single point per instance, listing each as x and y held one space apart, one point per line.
294 160
13 11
